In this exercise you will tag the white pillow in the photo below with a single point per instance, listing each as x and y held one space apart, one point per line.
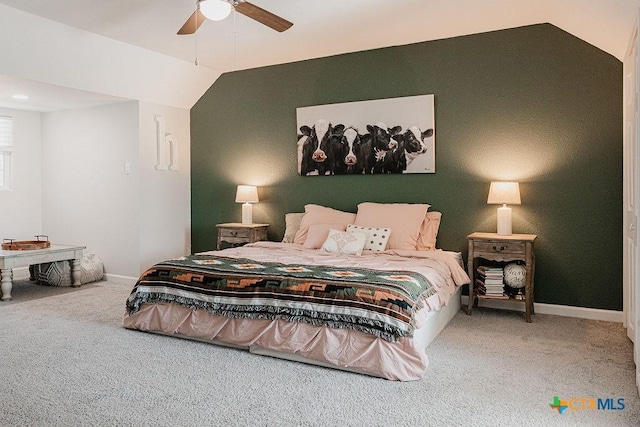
377 237
342 242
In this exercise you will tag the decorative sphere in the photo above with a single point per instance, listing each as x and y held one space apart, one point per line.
514 275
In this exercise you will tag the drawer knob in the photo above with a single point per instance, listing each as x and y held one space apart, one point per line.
498 249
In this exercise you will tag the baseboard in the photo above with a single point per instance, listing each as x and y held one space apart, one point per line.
127 280
22 273
555 309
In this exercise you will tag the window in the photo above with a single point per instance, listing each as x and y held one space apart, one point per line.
6 145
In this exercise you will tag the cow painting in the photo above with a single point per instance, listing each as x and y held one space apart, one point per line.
410 145
346 151
381 136
414 142
383 143
314 148
324 149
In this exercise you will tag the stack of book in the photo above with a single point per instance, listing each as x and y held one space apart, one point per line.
489 282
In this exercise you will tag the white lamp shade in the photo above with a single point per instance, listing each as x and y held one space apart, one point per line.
501 192
215 10
247 194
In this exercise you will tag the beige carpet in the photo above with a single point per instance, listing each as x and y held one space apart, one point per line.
66 361
25 290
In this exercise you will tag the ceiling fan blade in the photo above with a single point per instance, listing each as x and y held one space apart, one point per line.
262 16
193 23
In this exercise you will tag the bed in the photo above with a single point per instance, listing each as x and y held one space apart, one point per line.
338 291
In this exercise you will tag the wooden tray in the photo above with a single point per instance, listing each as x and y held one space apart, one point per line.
26 245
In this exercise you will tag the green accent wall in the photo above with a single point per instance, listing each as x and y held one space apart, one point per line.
533 104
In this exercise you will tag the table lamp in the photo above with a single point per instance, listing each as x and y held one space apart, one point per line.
501 192
247 194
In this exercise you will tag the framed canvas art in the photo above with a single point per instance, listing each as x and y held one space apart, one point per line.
395 135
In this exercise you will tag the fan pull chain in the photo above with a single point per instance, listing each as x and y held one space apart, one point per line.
196 49
235 42
195 42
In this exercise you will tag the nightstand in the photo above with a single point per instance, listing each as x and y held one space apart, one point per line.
501 248
236 233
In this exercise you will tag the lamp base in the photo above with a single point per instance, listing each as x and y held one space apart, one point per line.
504 220
247 214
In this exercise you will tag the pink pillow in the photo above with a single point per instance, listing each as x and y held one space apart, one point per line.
291 226
429 232
318 234
316 214
403 218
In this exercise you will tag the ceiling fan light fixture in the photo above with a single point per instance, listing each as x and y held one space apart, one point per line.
215 10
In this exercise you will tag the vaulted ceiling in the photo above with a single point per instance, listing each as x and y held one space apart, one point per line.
327 27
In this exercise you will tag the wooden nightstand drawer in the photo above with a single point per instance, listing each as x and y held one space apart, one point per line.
499 247
236 234
241 233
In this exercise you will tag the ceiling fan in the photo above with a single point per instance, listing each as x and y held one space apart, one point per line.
217 10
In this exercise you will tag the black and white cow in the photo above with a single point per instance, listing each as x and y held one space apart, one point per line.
365 154
410 145
344 149
382 142
394 160
414 142
314 148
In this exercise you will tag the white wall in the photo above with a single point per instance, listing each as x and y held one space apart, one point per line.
39 49
20 208
130 220
87 199
165 196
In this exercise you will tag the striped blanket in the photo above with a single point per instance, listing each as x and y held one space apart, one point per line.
381 303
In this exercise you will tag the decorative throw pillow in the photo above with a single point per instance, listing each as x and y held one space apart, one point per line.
342 242
403 218
58 273
318 233
292 225
316 214
429 232
377 237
